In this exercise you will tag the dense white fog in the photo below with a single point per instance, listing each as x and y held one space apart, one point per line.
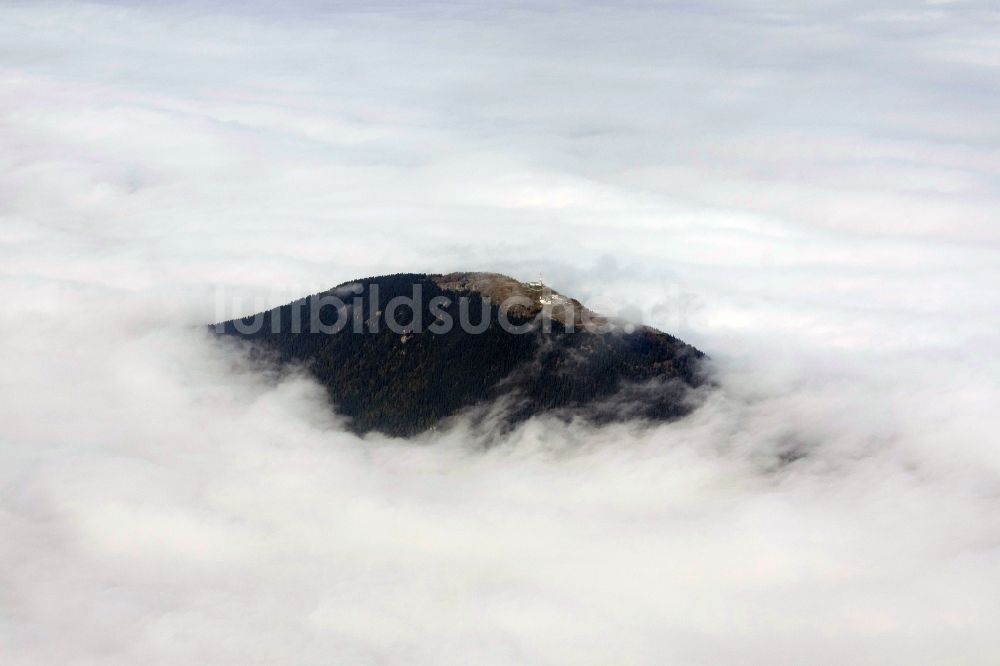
808 194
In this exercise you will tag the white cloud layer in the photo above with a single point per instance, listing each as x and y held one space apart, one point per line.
808 194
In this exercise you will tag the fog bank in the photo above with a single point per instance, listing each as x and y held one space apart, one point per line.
808 195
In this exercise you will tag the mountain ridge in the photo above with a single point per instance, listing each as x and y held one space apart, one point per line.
392 359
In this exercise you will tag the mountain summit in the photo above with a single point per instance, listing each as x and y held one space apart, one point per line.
402 353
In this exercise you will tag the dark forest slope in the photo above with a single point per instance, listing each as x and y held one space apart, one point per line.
401 370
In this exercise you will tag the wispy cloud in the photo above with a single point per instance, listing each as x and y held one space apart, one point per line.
807 193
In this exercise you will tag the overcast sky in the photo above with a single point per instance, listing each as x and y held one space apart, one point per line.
811 194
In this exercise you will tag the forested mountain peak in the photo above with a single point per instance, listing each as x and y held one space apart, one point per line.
407 352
